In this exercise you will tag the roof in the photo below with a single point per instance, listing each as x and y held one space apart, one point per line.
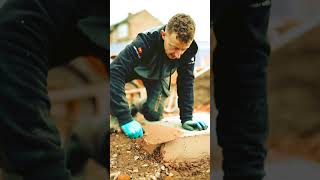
130 16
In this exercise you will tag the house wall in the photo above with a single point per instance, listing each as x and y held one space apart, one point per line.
136 23
140 23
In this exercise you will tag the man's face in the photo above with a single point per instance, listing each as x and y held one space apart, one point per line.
172 46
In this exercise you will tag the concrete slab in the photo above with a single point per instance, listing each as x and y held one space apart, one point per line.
176 143
174 122
157 134
189 148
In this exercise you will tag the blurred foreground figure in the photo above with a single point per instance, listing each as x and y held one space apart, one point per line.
239 65
36 35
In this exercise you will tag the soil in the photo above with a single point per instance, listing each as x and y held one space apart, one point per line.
127 157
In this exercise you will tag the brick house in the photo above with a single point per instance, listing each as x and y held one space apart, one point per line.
128 28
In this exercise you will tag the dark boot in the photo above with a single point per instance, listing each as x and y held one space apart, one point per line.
136 107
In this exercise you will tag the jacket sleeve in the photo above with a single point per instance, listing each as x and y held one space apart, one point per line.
185 83
120 70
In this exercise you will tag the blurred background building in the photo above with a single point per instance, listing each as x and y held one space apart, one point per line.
127 29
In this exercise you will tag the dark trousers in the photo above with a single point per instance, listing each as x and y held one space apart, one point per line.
152 107
239 65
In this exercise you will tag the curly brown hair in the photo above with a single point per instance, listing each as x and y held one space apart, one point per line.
183 25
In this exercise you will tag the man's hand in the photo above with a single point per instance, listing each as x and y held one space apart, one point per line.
132 129
193 125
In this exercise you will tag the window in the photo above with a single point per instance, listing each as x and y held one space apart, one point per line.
123 30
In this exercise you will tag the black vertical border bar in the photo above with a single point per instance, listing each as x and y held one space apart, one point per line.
108 92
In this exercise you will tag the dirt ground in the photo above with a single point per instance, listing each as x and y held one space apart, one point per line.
128 158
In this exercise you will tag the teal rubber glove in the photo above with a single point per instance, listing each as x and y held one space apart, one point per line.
132 129
193 125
